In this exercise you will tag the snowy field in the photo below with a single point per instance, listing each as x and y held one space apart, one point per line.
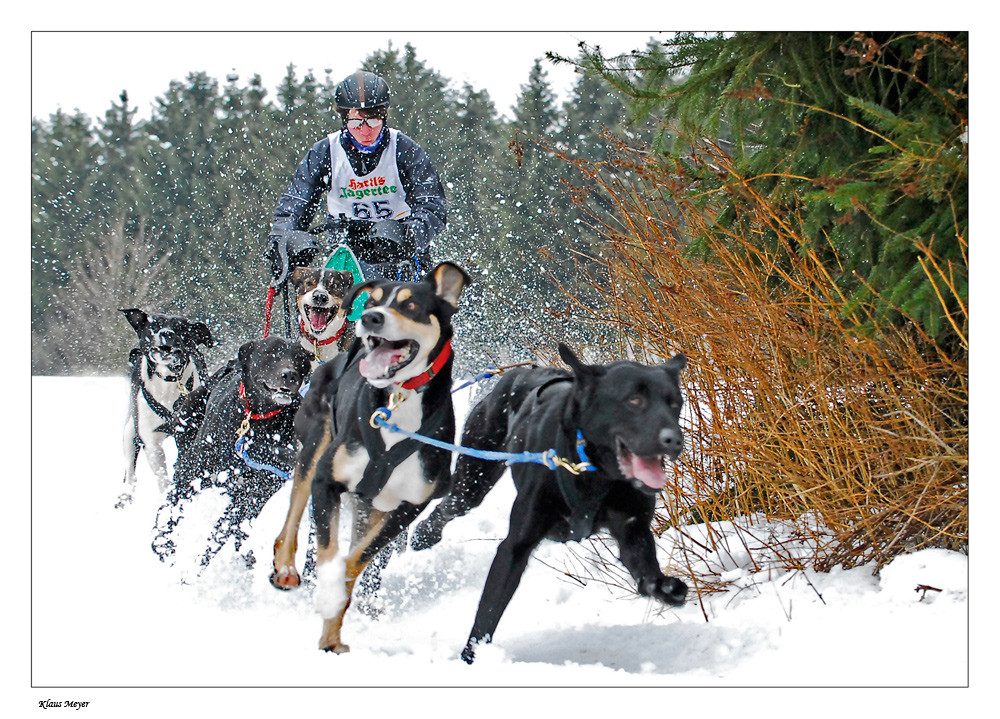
111 625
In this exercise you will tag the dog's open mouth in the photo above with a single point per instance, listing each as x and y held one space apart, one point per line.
318 317
645 470
280 395
386 357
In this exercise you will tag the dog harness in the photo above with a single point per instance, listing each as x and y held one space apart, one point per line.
383 460
158 409
241 440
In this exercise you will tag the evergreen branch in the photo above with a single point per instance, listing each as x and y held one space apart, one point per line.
944 305
837 115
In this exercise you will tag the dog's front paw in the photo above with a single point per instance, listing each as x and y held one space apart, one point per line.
336 649
668 590
285 578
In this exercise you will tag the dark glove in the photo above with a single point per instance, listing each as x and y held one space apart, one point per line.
399 234
287 249
277 256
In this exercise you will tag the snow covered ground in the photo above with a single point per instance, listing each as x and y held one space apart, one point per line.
111 625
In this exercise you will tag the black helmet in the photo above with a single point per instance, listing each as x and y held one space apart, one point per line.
362 91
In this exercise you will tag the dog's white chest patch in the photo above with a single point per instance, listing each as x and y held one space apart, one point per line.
406 481
405 484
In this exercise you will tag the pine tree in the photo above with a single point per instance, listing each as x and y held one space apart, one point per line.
422 105
857 138
64 159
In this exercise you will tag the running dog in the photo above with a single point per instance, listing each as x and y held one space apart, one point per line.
243 439
166 365
614 426
400 365
322 324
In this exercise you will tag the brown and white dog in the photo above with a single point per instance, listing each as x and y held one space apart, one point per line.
402 360
323 325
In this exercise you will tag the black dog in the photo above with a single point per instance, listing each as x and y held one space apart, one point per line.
166 365
242 421
621 420
405 332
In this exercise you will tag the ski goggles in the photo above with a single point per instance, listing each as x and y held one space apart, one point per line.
372 122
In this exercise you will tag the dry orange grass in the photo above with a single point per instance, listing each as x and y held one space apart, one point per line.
855 441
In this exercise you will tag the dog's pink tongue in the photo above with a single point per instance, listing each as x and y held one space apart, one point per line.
318 318
648 470
376 363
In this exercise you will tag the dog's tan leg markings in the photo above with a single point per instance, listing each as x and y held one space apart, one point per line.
367 525
285 574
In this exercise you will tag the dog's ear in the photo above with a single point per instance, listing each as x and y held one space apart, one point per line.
299 274
345 305
342 278
201 334
449 280
246 349
580 370
137 318
303 360
675 364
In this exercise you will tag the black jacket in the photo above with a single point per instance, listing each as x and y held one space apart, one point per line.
311 181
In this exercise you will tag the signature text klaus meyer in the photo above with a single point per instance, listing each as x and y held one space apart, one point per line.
49 704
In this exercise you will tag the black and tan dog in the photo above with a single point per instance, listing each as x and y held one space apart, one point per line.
323 326
166 365
242 420
621 419
402 360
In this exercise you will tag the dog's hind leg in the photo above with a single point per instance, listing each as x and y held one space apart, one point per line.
473 480
529 523
376 535
131 446
157 459
376 552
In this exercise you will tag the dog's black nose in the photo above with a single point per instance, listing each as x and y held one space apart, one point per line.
320 298
372 321
291 378
672 440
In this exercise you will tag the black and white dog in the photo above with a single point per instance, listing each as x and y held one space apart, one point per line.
617 424
323 326
402 361
166 365
242 420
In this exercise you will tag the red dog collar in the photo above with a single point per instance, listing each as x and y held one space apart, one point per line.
436 365
267 415
321 343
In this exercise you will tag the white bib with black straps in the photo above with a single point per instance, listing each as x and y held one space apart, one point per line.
379 195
